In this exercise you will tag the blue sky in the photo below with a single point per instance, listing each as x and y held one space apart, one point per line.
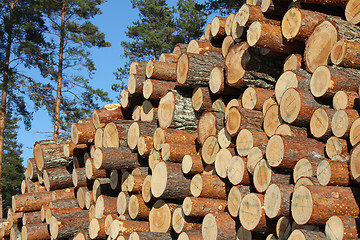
116 16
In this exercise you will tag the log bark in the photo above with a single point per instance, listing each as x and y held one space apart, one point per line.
192 164
307 234
342 227
107 114
235 196
93 173
169 57
169 135
79 177
35 231
135 85
201 47
161 70
218 226
150 236
83 132
97 228
277 200
115 133
241 118
175 152
138 68
31 218
345 53
333 173
64 226
105 205
250 13
199 207
181 223
156 89
115 158
209 124
208 186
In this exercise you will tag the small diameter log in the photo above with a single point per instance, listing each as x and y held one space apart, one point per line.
79 177
35 231
115 133
250 13
262 34
208 186
99 138
101 186
161 70
138 129
154 158
135 84
344 53
176 111
252 214
199 207
333 173
146 189
66 193
237 31
354 135
71 149
80 196
209 124
150 235
253 98
169 135
50 154
175 152
107 114
286 129
218 28
335 146
218 105
235 196
64 226
194 69
237 171
235 102
277 200
256 154
240 118
305 168
83 132
320 123
217 84
160 216
245 67
283 228
105 205
115 158
138 68
181 223
91 171
138 210
225 140
264 176
293 62
129 101
168 181
97 228
218 226
267 104
193 235
228 23
298 24
155 89
314 205
291 79
135 182
31 218
136 113
201 47
179 48
144 145
285 151
228 42
354 162
116 177
201 100
326 81
342 121
306 234
249 138
57 178
122 202
342 227
192 164
345 100
126 227
274 7
32 169
272 120
169 57
222 161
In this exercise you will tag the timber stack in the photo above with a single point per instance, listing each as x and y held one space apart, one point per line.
251 132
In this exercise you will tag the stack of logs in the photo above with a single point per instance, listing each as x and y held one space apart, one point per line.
251 132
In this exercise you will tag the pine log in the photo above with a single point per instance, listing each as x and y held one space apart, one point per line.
79 177
115 179
31 217
105 205
273 7
169 135
333 173
307 234
326 81
192 164
80 196
201 47
335 146
181 223
57 178
228 23
50 154
101 186
218 28
146 189
235 196
155 89
235 102
262 34
286 129
218 226
208 186
99 138
237 31
138 129
135 84
138 68
97 228
138 210
316 204
176 151
176 111
194 69
225 140
193 235
256 154
305 168
107 114
201 100
237 171
71 149
66 193
293 62
218 105
199 207
342 121
246 67
83 132
320 123
250 13
115 133
351 12
283 228
222 161
135 182
344 53
354 132
354 163
50 212
228 42
64 226
129 101
145 145
35 231
136 114
150 236
342 227
277 200
167 181
241 118
180 48
291 79
252 214
272 120
126 227
209 124
81 235
253 98
284 151
217 83
161 70
32 168
115 158
298 24
345 100
160 216
122 202
267 104
169 57
91 171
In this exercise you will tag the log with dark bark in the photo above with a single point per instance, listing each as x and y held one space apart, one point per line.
58 178
150 235
307 234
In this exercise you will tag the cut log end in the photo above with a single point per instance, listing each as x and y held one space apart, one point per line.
233 121
149 69
320 81
275 150
250 211
133 135
147 89
254 33
166 110
287 80
262 176
334 228
301 205
338 52
290 105
182 69
272 201
196 185
291 23
319 123
159 179
293 62
352 12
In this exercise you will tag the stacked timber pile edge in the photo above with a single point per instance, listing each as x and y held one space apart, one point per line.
251 132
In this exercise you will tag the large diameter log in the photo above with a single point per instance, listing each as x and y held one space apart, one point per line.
314 205
138 129
208 186
320 123
168 181
107 114
333 173
194 69
341 227
252 214
306 234
169 135
342 121
209 124
50 154
115 158
297 106
261 34
235 196
148 112
277 200
35 231
57 178
199 207
160 216
161 70
351 12
285 151
218 226
344 53
64 226
240 118
298 24
176 111
326 81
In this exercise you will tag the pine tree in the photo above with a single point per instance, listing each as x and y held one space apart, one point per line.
13 170
68 95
